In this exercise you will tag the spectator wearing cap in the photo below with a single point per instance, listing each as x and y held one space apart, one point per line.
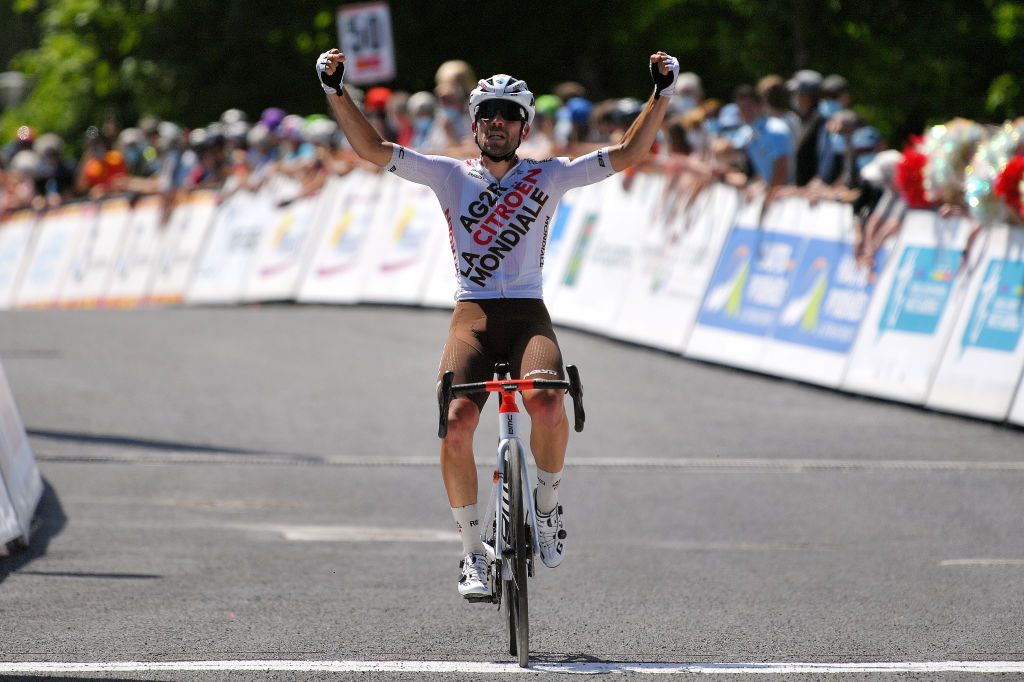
375 106
572 124
766 140
58 174
835 95
813 146
24 169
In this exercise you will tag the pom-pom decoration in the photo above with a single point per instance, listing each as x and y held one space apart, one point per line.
1008 187
949 148
910 176
990 197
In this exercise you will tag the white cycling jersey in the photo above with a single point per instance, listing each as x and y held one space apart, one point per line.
498 230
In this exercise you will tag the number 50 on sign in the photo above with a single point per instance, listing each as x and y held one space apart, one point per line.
364 31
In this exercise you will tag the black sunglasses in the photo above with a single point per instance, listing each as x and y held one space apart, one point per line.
510 111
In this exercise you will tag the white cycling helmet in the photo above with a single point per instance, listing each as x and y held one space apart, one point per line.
503 86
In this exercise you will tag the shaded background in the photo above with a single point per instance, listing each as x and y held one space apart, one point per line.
909 62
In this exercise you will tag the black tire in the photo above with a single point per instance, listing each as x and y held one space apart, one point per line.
518 604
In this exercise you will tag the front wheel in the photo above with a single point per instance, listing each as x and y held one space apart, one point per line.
519 544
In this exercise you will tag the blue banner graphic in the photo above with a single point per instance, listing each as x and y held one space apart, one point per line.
748 288
920 290
827 299
997 318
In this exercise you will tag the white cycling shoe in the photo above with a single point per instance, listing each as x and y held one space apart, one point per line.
551 538
474 583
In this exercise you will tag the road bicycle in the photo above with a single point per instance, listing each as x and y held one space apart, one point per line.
511 539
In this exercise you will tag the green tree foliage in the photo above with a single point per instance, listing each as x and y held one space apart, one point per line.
910 62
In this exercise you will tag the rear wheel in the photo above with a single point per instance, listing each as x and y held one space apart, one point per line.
519 543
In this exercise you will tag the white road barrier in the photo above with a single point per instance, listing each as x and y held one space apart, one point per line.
56 245
635 258
139 255
184 237
284 247
224 265
16 233
21 486
904 334
92 269
336 272
984 358
678 254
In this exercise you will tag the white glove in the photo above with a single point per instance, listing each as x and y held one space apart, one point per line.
665 85
330 83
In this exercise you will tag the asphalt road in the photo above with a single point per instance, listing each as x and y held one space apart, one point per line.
260 483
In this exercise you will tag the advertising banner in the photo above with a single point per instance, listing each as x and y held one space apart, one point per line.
15 244
404 245
137 260
20 482
594 281
678 254
912 314
335 273
747 290
439 291
60 232
93 267
284 250
224 264
825 303
184 236
565 224
984 359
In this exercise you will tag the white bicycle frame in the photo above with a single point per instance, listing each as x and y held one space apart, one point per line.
509 434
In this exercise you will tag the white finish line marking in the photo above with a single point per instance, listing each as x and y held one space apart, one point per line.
48 453
982 562
483 668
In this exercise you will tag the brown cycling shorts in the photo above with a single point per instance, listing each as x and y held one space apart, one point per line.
516 330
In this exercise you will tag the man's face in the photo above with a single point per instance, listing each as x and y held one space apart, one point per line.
749 108
497 135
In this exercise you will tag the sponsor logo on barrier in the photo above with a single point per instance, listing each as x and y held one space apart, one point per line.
920 290
828 298
997 316
748 289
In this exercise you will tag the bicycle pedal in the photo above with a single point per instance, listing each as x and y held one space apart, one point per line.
479 598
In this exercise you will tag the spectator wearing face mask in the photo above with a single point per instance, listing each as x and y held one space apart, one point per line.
689 93
422 108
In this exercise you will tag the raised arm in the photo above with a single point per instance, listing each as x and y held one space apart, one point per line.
366 142
637 141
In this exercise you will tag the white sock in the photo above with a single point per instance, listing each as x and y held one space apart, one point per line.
547 490
467 520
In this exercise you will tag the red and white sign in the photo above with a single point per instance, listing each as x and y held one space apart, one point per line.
364 31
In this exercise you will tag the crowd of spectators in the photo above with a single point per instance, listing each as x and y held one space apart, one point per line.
781 136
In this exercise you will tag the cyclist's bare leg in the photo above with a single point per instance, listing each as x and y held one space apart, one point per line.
458 468
549 427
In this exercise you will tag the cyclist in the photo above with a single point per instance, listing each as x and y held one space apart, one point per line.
499 208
